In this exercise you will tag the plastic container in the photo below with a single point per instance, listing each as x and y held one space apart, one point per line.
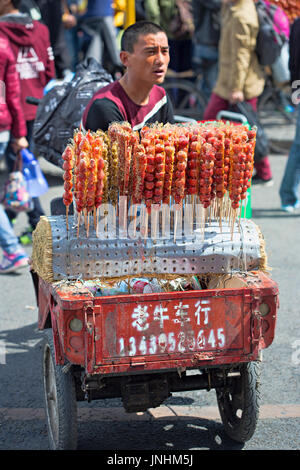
144 286
36 182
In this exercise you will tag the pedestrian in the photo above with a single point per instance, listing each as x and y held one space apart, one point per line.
14 256
99 18
205 42
70 23
136 97
240 76
52 16
12 124
178 26
289 188
30 44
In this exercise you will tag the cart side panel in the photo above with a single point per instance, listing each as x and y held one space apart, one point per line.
167 330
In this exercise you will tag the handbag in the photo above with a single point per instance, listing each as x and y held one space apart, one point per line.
262 142
15 196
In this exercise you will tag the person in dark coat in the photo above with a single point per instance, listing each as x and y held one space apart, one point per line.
206 42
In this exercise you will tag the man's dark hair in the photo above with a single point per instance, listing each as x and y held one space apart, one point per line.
16 3
131 34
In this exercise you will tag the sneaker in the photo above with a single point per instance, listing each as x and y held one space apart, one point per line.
11 263
290 209
26 237
257 180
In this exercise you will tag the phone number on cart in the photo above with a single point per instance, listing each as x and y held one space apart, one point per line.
171 342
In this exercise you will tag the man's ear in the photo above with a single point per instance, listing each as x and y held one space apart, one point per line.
124 57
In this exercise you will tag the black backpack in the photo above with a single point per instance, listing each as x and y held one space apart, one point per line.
60 111
269 39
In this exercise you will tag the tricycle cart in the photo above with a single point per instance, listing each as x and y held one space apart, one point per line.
142 347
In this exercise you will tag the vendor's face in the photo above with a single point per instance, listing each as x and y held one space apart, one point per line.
150 58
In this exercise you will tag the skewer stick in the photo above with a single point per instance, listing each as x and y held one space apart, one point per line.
175 223
233 222
88 225
134 220
78 223
97 221
220 213
146 224
94 217
67 221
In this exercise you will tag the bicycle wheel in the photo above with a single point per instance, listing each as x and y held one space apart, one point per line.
187 100
275 101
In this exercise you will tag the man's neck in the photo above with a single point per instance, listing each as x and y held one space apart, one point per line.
137 93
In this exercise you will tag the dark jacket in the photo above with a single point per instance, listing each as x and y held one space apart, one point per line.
207 21
294 60
30 44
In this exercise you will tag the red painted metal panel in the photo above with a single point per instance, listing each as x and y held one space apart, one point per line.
178 327
161 331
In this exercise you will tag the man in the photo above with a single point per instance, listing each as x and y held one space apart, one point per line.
240 78
30 44
136 97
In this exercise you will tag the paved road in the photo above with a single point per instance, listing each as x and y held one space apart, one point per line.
187 421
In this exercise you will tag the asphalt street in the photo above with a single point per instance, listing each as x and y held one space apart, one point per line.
187 421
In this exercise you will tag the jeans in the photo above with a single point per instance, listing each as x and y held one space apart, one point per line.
3 146
205 61
8 240
291 178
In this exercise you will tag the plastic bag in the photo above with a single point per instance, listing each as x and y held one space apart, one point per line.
15 195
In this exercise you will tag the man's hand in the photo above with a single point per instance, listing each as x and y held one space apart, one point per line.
19 144
236 97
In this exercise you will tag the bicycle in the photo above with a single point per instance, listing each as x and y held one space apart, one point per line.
276 99
275 107
185 94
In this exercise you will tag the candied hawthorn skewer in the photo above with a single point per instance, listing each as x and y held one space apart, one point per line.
206 174
68 165
180 164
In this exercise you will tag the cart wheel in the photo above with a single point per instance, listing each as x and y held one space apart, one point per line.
239 403
60 400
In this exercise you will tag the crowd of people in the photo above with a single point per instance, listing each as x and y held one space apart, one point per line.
41 40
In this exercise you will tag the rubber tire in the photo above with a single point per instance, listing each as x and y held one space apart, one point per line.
242 394
61 408
189 89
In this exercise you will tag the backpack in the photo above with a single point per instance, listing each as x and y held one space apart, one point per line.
273 32
182 23
60 111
